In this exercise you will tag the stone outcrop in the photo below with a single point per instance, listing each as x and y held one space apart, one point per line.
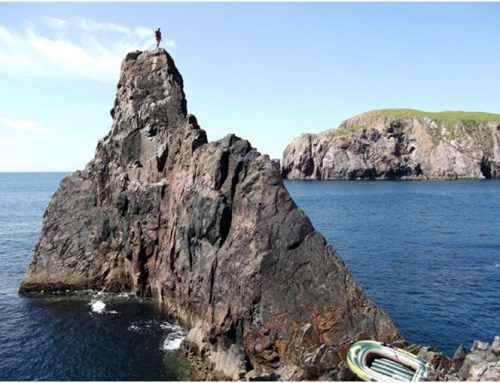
481 363
399 144
209 232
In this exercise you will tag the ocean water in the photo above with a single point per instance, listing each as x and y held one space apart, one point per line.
427 252
90 336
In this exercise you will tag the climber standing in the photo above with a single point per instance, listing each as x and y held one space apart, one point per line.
158 37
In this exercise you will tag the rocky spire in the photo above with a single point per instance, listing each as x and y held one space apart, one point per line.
210 233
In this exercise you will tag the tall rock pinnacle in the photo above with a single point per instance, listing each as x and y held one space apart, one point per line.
207 230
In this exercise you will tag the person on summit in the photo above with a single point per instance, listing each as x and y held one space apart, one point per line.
158 37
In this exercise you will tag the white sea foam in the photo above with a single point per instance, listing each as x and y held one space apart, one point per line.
173 340
134 328
144 327
98 306
174 334
170 326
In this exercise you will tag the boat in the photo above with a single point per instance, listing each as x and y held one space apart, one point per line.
376 361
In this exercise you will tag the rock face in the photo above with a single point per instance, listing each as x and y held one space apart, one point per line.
399 144
481 363
207 230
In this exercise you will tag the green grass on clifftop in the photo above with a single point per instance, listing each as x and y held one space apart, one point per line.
342 132
442 116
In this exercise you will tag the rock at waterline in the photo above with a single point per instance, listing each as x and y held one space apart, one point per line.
481 363
208 230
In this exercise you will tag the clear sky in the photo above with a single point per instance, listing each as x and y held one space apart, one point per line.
264 71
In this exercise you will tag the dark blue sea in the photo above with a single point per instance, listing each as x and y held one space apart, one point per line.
91 336
427 252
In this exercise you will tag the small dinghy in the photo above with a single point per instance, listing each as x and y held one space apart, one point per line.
374 361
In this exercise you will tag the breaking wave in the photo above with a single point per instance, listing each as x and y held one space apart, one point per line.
98 306
173 341
174 334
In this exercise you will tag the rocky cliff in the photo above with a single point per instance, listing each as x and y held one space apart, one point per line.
399 144
481 363
207 230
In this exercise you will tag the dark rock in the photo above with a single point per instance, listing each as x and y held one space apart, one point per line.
209 232
458 360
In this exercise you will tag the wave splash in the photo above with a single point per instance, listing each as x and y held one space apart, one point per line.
174 337
174 334
98 306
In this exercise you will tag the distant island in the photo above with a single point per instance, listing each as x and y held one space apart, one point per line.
392 144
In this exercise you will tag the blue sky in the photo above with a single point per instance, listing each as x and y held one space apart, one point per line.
264 71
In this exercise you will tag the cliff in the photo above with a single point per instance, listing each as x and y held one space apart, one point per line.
209 232
399 144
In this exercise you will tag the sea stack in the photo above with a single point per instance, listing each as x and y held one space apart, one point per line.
399 144
209 232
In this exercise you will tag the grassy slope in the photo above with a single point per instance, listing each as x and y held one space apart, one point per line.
447 120
450 116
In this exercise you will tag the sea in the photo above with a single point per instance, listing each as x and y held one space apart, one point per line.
427 252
